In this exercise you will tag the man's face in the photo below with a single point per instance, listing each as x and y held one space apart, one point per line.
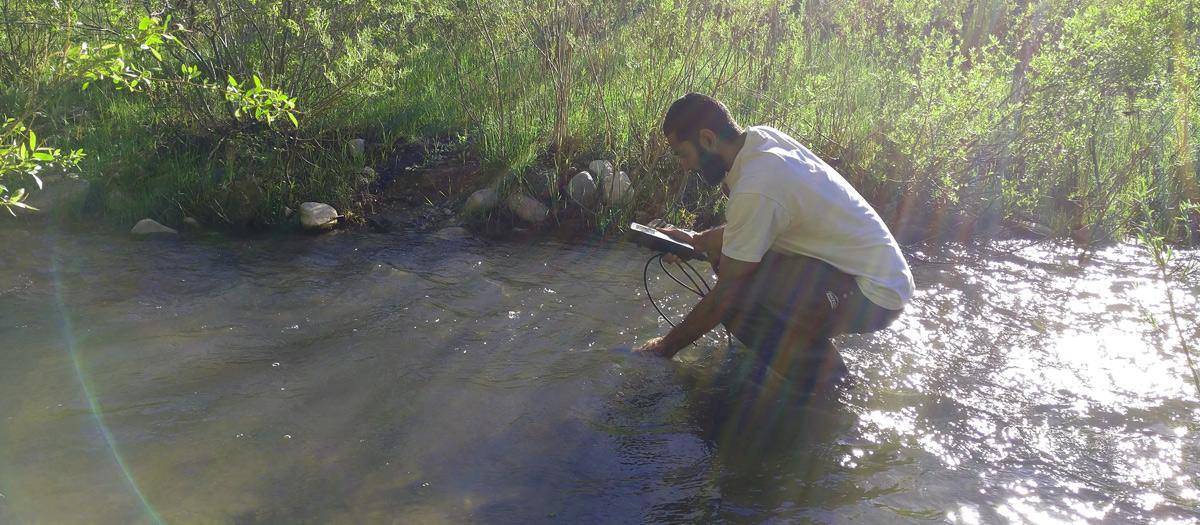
694 156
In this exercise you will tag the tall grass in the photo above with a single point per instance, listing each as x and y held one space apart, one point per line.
1078 114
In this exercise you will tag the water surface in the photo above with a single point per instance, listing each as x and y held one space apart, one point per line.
362 377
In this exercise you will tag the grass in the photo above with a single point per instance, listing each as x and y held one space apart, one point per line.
931 111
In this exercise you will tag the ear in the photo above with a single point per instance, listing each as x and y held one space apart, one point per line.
707 139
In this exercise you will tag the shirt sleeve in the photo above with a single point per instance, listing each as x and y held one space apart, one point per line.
753 221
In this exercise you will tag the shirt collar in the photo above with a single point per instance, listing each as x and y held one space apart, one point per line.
753 140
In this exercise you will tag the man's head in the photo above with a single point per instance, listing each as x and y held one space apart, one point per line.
701 132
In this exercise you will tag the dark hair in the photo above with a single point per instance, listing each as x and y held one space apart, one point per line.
693 112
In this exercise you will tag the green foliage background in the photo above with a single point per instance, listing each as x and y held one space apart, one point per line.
1079 114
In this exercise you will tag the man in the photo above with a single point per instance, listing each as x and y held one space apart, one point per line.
802 256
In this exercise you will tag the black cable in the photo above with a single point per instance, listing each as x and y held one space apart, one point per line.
684 266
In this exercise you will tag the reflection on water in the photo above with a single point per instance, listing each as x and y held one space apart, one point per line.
358 377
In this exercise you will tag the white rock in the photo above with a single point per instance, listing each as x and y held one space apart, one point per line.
150 227
481 201
318 216
357 147
615 188
527 208
583 189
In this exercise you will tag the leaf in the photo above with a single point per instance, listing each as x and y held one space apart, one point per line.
257 82
32 140
155 53
232 82
85 86
42 156
292 116
36 179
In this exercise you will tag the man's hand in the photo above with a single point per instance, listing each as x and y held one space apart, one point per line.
657 347
708 242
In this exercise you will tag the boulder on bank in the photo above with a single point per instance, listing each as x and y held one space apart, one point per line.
481 201
616 187
59 194
527 208
151 227
357 147
318 216
601 169
583 190
367 176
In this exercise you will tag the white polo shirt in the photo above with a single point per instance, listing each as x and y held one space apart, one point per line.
783 197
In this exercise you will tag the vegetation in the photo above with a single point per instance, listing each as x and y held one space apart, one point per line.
1076 113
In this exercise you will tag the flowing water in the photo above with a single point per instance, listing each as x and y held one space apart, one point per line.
357 378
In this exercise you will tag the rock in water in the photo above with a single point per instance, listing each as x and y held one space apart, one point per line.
616 187
151 227
527 208
191 223
583 189
481 201
453 232
318 216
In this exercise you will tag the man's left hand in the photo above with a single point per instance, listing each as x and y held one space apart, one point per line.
657 347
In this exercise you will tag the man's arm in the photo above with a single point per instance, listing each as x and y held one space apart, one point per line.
709 312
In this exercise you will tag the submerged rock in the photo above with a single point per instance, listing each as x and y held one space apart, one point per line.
151 227
191 222
583 189
453 232
318 216
616 187
481 201
527 208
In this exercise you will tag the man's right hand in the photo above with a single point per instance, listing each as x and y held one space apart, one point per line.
679 235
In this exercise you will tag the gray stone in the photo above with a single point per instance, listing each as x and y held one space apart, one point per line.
287 212
481 201
601 169
527 208
59 193
616 187
151 227
357 147
243 198
367 176
191 222
318 216
583 190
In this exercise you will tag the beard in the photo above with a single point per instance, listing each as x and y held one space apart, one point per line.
712 170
